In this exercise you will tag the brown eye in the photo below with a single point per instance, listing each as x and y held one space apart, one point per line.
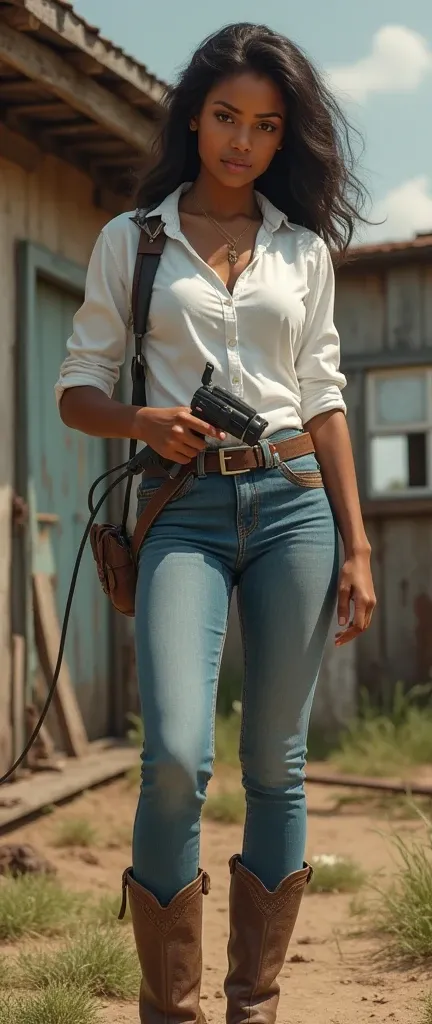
223 114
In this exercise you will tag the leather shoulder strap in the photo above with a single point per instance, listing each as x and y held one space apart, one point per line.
150 248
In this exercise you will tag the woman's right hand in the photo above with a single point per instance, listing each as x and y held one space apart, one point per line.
173 433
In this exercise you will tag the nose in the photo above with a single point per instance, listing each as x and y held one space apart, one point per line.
241 140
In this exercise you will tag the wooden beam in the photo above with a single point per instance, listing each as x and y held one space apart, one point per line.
48 69
21 19
82 62
397 508
18 695
71 27
102 147
19 90
128 163
105 760
43 111
83 128
18 150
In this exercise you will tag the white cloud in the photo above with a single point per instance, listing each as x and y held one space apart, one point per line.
406 210
398 62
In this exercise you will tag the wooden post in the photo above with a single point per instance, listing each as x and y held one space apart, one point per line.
48 642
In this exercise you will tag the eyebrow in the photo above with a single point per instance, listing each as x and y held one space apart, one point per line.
235 110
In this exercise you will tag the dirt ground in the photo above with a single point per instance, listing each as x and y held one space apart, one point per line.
336 979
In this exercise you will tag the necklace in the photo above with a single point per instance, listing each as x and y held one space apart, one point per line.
230 240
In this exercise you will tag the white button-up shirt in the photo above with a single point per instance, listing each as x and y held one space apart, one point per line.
272 342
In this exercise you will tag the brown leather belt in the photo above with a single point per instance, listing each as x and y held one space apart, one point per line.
227 461
232 460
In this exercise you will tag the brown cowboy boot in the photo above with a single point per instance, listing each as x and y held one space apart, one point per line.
261 925
168 941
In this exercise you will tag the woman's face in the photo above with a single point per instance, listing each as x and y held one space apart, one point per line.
240 128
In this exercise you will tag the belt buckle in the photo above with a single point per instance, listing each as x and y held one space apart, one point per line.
223 458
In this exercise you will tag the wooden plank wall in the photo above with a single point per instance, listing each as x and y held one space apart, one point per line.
390 313
51 204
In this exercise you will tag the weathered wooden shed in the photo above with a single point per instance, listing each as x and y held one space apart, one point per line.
77 116
384 315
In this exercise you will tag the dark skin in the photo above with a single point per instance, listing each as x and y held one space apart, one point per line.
240 128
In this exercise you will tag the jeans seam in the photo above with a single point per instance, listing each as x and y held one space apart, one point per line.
144 494
240 531
216 686
244 701
254 524
310 479
244 533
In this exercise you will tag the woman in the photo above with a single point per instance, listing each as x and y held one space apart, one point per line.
253 181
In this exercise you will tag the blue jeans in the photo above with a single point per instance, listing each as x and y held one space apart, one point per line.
272 533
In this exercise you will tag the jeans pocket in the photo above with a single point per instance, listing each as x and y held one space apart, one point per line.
148 488
303 472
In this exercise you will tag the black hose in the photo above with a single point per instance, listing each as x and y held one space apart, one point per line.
94 511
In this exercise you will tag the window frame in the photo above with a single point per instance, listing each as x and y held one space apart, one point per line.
374 429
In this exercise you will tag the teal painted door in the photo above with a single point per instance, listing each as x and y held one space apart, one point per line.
62 465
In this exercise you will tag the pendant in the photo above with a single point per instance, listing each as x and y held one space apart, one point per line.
232 255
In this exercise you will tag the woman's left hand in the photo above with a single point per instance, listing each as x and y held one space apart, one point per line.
356 585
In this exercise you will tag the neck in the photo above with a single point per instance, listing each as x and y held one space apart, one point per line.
222 202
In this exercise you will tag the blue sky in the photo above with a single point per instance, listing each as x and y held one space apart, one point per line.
378 56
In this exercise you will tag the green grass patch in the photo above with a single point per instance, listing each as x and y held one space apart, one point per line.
403 910
74 832
387 744
37 905
106 910
426 1017
227 806
335 874
58 1005
7 972
100 960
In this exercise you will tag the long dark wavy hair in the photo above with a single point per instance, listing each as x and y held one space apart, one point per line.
312 179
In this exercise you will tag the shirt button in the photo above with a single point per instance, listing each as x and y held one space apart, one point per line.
232 342
228 302
235 380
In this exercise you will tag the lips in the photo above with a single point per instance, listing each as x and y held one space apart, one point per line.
237 165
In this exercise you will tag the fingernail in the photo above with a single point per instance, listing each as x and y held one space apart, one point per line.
342 621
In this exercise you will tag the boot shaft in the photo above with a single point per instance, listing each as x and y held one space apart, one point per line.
261 926
169 946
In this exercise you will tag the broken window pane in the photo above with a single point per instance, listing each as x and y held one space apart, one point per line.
398 463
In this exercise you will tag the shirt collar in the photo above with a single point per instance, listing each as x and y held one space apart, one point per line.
273 218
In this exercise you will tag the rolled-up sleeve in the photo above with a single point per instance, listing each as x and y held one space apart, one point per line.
317 363
96 348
